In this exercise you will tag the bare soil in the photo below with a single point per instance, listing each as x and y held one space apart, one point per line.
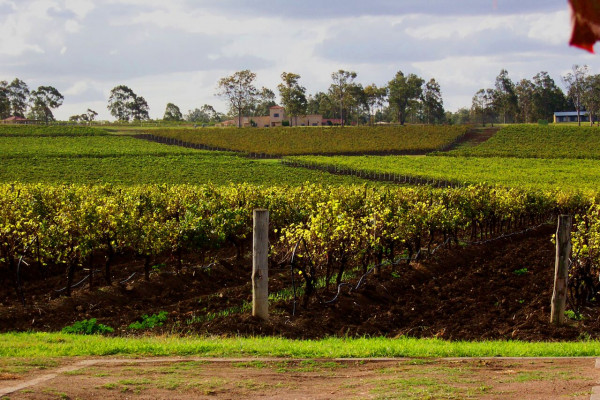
311 379
474 137
498 290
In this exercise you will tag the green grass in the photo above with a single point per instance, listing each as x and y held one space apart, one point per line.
52 130
193 169
568 175
58 345
535 141
129 161
84 146
320 140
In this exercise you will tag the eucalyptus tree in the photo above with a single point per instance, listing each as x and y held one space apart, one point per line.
262 103
239 90
172 113
321 103
140 109
575 81
18 94
483 105
547 97
404 90
433 104
43 101
4 100
525 92
293 95
89 116
591 97
372 96
505 97
125 105
206 113
340 89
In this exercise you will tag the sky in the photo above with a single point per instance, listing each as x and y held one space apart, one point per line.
175 51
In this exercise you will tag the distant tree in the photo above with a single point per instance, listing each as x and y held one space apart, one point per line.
591 97
4 100
505 98
125 105
89 116
213 115
321 103
547 97
460 117
196 115
172 113
43 101
525 92
433 104
239 90
293 95
339 90
86 117
375 97
575 82
404 90
357 103
18 94
483 105
264 100
140 109
120 102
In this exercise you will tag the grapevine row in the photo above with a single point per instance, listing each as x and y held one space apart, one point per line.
278 141
333 228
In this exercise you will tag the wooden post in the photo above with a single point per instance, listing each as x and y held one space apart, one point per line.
561 271
260 271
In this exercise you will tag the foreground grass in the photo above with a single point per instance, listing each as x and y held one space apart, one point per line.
58 345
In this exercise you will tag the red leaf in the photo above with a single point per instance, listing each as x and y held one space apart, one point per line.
586 23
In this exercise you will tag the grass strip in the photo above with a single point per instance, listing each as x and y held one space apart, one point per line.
59 345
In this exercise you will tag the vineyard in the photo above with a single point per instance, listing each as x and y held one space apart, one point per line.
317 140
543 174
535 141
98 225
129 161
52 130
330 236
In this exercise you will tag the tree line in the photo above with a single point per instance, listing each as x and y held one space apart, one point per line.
408 97
534 100
405 98
16 99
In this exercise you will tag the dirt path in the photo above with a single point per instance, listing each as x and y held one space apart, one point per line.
187 378
474 137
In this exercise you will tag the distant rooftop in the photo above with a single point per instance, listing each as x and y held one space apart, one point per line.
569 113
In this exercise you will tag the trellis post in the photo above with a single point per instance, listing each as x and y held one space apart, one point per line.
561 270
260 259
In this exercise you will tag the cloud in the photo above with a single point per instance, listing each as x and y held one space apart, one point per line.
384 39
176 50
333 9
100 50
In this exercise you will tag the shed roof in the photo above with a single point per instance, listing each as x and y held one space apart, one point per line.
569 113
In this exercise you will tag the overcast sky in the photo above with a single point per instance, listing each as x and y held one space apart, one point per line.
176 50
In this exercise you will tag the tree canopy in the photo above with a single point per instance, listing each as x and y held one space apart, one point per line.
239 90
43 101
125 105
172 113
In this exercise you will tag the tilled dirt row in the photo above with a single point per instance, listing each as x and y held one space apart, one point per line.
498 290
